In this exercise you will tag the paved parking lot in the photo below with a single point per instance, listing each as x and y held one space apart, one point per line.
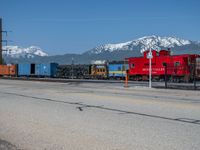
103 116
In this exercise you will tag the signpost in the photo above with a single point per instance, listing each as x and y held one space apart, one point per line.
150 56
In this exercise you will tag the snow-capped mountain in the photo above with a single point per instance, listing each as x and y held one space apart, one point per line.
111 52
20 52
143 44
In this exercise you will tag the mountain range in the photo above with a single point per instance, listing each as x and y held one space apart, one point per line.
118 51
19 52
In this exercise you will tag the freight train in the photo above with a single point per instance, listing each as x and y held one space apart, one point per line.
97 70
175 67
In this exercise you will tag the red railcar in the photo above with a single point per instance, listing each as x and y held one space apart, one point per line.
179 67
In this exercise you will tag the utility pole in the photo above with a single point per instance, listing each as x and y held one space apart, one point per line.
1 49
1 42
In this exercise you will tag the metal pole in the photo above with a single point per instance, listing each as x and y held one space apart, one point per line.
150 56
72 68
195 87
126 80
165 75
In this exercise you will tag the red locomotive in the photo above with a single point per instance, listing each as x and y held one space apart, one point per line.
175 67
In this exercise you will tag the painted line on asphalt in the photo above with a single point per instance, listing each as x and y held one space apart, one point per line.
81 107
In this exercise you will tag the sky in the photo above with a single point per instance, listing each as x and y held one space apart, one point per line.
75 26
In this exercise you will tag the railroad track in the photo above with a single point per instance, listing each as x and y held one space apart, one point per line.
170 85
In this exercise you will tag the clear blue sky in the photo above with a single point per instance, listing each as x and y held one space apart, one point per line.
74 26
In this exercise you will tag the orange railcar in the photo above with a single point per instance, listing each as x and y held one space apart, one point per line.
8 70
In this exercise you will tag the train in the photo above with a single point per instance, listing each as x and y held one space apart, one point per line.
184 67
95 70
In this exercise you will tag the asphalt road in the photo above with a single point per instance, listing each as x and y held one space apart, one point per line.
97 116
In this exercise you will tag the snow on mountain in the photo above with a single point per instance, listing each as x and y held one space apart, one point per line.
18 52
144 43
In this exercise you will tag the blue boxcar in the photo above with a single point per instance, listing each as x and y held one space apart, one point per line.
24 69
46 69
117 70
42 69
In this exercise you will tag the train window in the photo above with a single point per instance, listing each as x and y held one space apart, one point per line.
132 65
177 63
119 68
164 64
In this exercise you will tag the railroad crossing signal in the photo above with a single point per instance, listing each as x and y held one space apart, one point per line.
149 55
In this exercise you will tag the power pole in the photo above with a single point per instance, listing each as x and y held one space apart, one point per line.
1 49
1 42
